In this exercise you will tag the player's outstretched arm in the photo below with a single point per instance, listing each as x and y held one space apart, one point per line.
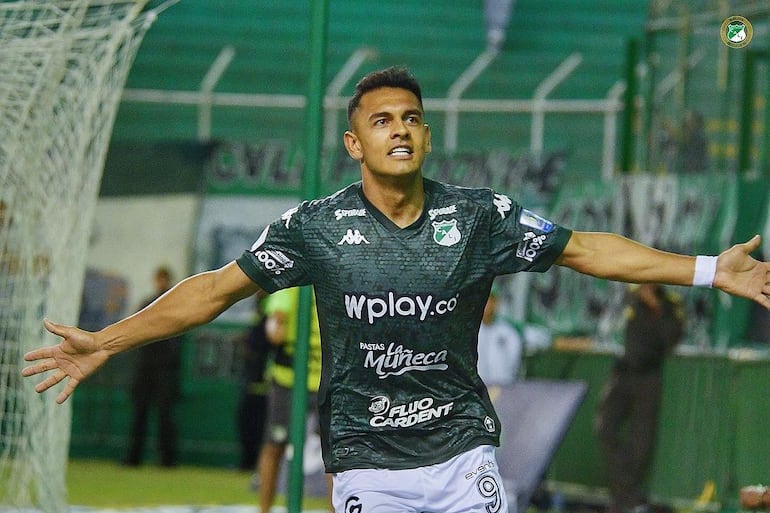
613 257
192 302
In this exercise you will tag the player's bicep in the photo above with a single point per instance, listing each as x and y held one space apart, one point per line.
589 253
573 251
230 284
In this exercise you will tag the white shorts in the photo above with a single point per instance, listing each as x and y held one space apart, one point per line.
467 483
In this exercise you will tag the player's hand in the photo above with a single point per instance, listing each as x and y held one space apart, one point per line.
741 275
76 357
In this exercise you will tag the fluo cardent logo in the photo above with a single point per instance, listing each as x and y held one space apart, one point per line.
410 414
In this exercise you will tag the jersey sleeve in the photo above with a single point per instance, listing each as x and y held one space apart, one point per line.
522 240
276 260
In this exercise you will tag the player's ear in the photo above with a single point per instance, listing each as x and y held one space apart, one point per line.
428 145
353 145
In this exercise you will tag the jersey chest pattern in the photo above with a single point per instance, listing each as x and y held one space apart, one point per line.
404 306
399 311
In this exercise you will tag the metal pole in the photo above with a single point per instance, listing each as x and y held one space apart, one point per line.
456 90
545 87
609 144
331 130
629 111
207 86
310 180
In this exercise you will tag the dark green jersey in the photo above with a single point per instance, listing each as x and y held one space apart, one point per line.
399 312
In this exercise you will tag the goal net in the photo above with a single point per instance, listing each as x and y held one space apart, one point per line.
63 64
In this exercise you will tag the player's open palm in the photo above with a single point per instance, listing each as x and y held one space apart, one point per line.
76 357
741 275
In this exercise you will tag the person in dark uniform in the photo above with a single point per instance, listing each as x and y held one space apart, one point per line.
401 267
256 355
626 420
156 382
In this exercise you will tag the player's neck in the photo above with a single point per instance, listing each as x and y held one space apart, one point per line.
401 201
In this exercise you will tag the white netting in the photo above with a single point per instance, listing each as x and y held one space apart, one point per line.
63 65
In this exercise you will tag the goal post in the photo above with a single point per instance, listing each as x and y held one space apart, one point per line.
64 64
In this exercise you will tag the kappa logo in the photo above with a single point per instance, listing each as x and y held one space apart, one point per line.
353 237
503 204
446 233
286 216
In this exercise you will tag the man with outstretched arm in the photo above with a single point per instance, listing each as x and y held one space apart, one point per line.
401 267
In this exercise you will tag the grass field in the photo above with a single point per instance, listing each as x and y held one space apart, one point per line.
107 484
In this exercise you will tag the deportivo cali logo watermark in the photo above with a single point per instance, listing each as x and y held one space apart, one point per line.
736 32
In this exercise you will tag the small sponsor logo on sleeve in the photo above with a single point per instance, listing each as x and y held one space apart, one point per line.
530 246
274 261
529 218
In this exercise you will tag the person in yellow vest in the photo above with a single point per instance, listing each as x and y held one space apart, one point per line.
282 312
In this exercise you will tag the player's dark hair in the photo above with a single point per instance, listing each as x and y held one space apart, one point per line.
395 76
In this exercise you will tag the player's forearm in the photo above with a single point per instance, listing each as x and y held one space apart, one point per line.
192 302
613 257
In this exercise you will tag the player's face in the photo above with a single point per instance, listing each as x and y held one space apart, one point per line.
389 136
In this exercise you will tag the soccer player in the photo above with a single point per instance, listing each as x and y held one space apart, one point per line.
401 267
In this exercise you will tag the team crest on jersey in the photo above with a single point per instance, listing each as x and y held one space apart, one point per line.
445 233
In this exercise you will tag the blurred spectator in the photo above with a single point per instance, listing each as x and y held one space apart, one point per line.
667 140
693 153
156 381
104 299
256 353
626 419
497 17
282 311
759 325
499 347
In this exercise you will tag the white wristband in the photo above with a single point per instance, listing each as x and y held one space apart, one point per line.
705 269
